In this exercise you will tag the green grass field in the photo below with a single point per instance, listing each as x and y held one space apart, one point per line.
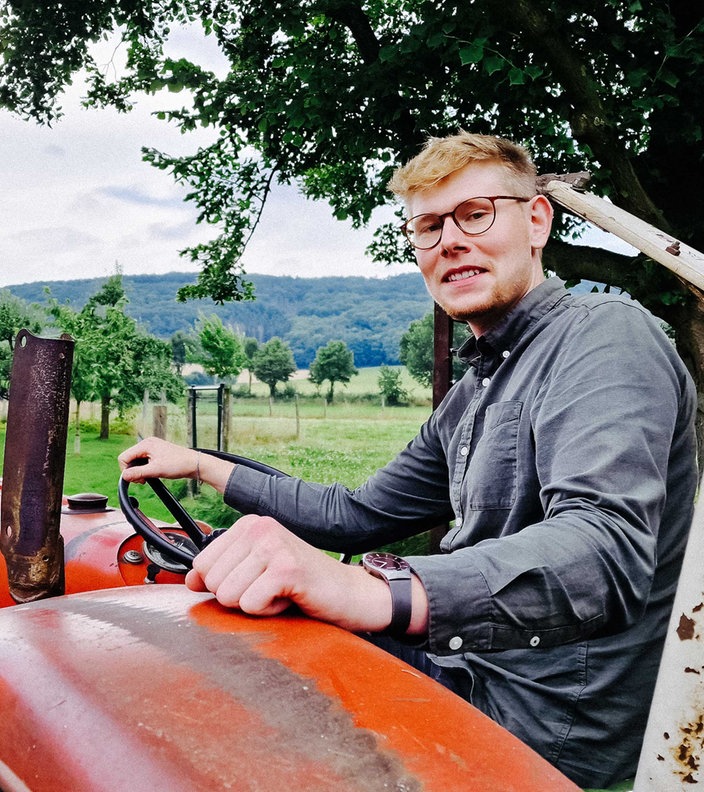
345 441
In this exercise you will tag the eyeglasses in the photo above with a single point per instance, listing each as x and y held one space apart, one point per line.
473 217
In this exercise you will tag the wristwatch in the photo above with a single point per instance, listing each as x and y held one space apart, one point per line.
397 573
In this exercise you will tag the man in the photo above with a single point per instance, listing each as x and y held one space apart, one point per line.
565 459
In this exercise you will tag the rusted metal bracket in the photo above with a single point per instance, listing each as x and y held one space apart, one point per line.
33 467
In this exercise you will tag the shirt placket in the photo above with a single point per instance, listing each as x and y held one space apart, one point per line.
484 366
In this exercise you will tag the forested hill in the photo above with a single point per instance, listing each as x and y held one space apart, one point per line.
368 314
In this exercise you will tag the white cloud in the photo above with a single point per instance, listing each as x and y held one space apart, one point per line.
77 198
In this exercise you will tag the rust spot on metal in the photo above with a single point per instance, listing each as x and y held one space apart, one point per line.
674 248
685 630
697 608
689 670
688 752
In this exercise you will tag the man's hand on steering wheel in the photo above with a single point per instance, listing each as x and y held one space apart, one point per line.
154 458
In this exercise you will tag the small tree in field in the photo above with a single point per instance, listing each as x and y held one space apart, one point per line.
251 346
179 350
416 349
273 363
333 362
390 386
15 314
221 351
114 360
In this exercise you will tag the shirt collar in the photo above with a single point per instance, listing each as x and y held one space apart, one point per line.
506 332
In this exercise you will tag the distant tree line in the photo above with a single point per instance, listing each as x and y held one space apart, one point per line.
117 360
368 314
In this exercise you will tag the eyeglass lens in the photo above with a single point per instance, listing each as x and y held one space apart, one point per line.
474 216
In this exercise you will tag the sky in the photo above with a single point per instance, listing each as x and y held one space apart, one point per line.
77 200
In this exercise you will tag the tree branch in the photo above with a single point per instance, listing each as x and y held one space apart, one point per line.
589 118
583 262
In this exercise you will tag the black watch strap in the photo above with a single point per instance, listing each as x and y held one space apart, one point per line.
398 576
401 602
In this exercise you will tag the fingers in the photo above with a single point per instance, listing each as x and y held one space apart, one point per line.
155 458
251 567
261 568
194 581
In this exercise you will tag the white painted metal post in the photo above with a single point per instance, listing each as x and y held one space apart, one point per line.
672 754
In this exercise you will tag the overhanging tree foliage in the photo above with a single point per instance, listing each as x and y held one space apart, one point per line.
333 94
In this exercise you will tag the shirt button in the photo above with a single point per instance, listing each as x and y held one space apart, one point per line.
505 354
464 451
486 381
455 643
535 640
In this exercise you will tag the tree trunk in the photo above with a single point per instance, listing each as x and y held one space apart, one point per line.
688 324
104 417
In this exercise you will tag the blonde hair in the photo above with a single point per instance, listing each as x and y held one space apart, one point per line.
440 157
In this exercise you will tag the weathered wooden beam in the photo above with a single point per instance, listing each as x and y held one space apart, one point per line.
684 261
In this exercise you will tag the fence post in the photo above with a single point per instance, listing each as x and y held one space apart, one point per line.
226 416
191 433
159 412
218 441
145 415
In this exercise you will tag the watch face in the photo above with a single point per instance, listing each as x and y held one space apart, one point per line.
385 561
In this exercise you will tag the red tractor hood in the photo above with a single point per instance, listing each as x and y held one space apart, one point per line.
155 687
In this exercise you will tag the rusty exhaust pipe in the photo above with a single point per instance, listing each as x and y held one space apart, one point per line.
33 467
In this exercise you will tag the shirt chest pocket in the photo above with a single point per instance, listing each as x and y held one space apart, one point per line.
490 480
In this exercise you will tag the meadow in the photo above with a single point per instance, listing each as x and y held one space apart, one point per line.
344 441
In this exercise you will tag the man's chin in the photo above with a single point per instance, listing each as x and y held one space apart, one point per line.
461 313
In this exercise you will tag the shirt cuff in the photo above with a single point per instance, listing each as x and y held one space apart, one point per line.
459 603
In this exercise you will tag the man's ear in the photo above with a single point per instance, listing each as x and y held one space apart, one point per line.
540 221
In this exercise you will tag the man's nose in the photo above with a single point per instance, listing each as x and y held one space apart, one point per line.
453 238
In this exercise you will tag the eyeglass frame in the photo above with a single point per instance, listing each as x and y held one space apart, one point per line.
442 217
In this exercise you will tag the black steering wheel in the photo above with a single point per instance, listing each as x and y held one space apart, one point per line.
172 546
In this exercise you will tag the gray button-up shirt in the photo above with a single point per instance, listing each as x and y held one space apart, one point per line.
565 459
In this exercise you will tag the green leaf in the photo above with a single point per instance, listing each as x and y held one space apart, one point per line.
669 78
472 54
516 76
534 71
493 64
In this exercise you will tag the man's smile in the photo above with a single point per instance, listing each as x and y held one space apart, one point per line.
462 274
